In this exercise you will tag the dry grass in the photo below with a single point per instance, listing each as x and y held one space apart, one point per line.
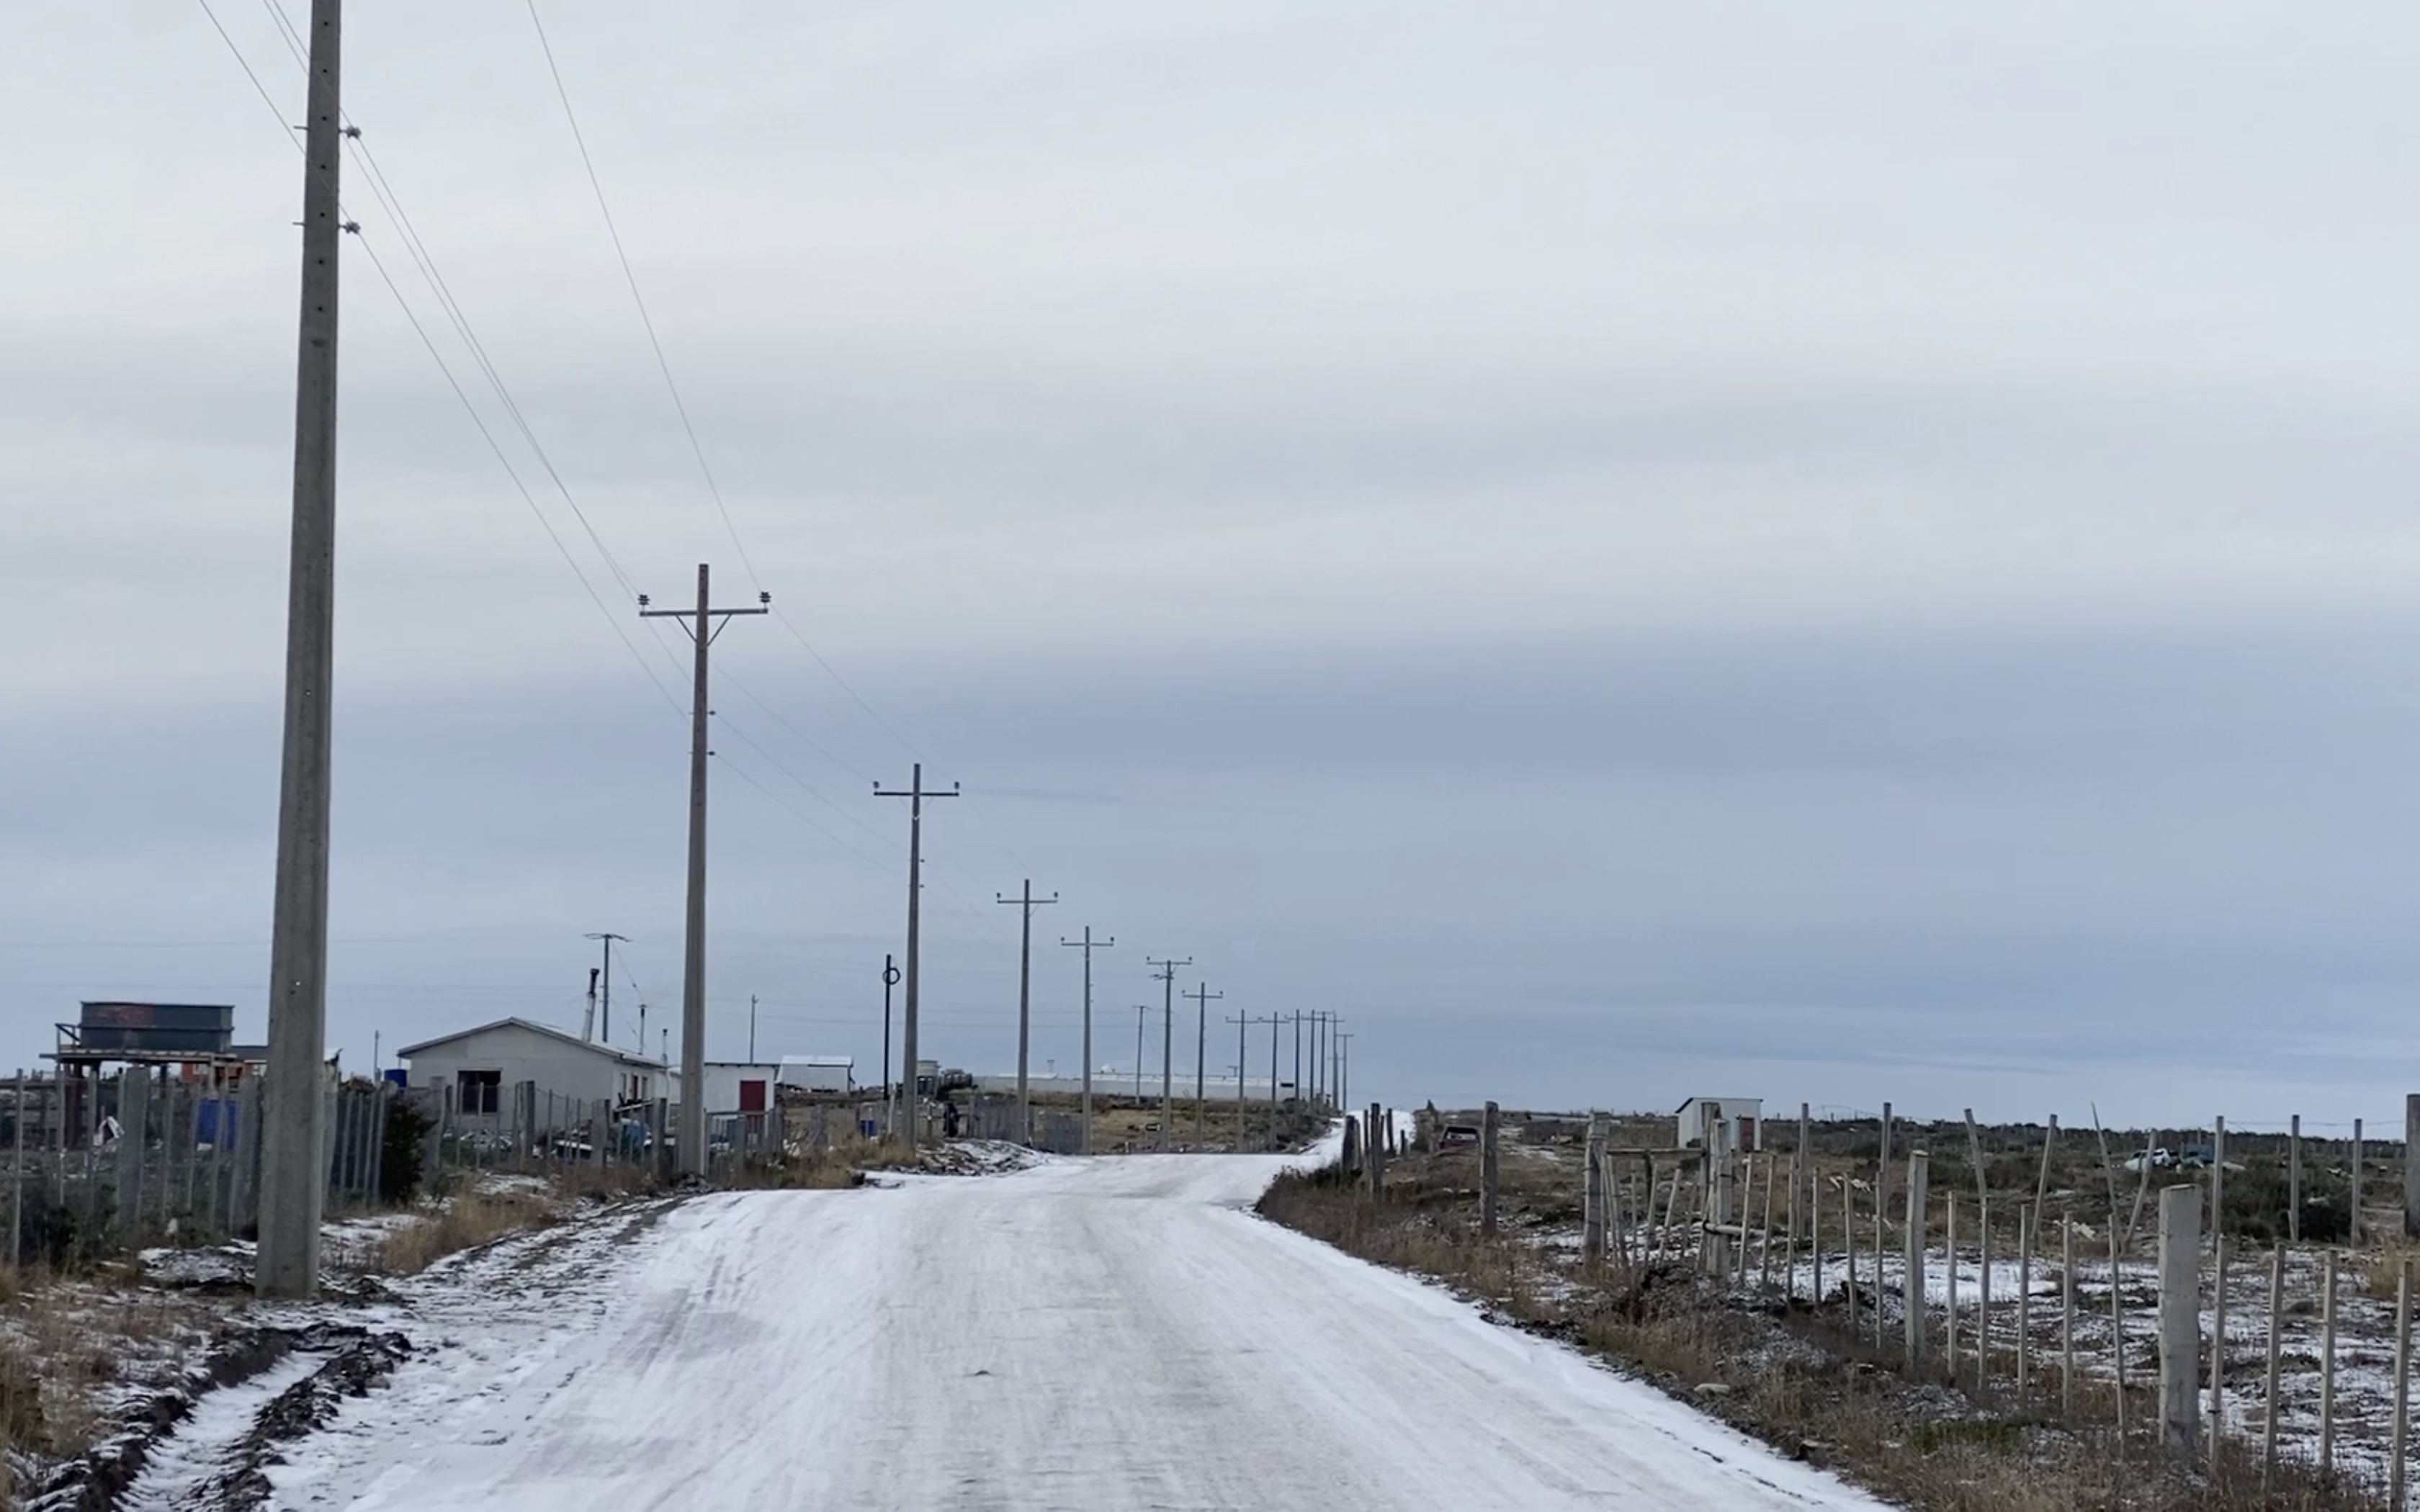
467 1221
1774 1377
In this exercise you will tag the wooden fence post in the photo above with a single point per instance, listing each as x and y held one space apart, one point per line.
1984 1299
1911 1287
2411 1164
2179 1316
1764 1233
2024 1302
1806 1157
2294 1179
1849 1248
1882 1204
133 1120
1815 1240
1949 1240
2402 1381
2268 1398
2328 1364
1593 1194
2067 1319
1374 1153
2354 1232
2042 1183
1487 1121
2217 1348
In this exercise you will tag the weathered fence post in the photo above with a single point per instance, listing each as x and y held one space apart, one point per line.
1374 1153
134 1117
1789 1257
2067 1319
2024 1302
1983 1296
1815 1238
2294 1179
1592 1192
1349 1160
1913 1285
1849 1248
2179 1316
2269 1398
2042 1183
2354 1232
1950 1242
243 1180
2328 1363
1805 1168
2217 1344
1488 1123
17 1188
2402 1381
2411 1164
1881 1203
1764 1232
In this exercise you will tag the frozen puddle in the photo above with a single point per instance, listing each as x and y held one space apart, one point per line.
179 1472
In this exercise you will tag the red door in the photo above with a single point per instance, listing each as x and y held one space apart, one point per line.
751 1097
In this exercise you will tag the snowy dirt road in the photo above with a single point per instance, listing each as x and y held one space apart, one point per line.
1111 1334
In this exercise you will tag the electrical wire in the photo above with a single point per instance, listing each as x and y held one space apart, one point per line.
370 251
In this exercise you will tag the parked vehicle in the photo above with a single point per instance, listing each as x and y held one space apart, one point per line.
1457 1137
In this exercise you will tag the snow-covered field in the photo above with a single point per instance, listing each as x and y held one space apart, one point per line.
1111 1334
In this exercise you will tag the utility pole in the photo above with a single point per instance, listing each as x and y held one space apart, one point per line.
1025 1003
1242 1022
1343 1070
1274 1022
1298 1053
752 1028
1202 997
607 989
294 1162
916 795
1087 943
890 1103
703 628
1140 1008
1167 973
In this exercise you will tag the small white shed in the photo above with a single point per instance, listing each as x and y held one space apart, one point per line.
1722 1125
819 1074
739 1085
480 1068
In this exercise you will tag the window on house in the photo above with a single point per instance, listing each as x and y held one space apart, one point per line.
477 1091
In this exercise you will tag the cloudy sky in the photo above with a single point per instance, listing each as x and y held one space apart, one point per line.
1837 553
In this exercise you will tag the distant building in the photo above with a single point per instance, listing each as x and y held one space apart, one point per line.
479 1067
818 1073
1722 1125
735 1086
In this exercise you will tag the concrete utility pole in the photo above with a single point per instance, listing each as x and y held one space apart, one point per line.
1140 1008
1298 1053
916 797
1024 1005
605 988
293 1160
1242 1022
703 627
1089 943
1202 997
1166 971
752 1028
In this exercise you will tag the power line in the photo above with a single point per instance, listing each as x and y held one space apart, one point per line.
631 278
444 369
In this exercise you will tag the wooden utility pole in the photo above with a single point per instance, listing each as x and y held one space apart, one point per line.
1089 945
703 627
917 796
1027 902
294 1160
1488 1118
1166 971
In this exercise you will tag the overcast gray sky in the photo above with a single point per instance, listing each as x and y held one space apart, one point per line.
1836 553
